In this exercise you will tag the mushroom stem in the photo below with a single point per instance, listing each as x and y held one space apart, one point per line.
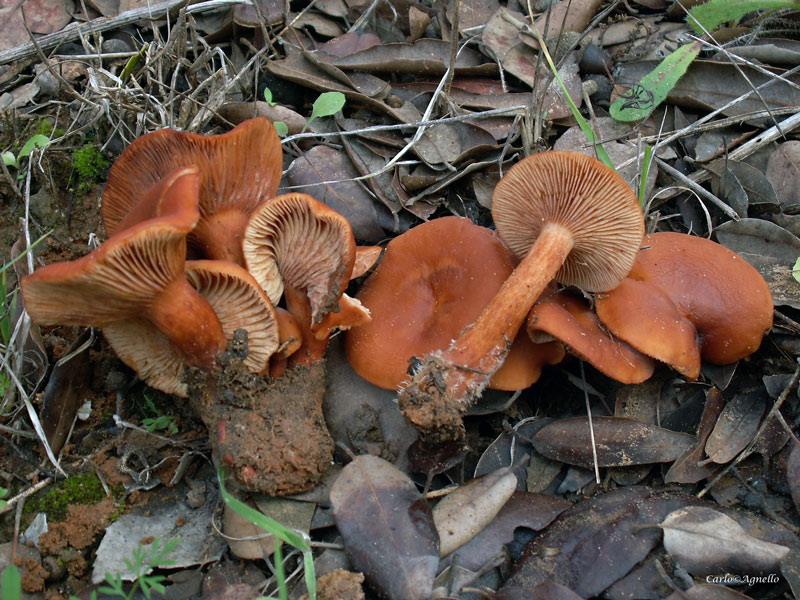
312 349
200 339
472 359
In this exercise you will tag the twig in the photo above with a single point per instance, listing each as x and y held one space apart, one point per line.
695 187
29 492
74 31
591 426
764 424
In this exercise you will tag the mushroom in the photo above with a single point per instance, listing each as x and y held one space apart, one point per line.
688 297
569 318
298 247
135 287
239 170
425 292
568 217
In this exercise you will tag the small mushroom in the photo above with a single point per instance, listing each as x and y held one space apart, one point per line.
568 217
239 170
688 297
569 318
432 282
298 247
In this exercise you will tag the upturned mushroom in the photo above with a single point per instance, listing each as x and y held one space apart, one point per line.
569 318
688 298
425 292
239 170
568 217
158 312
300 248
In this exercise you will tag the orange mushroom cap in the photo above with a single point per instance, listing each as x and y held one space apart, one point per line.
688 297
570 319
239 170
136 274
431 283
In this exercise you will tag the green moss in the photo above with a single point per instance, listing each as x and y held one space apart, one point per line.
80 489
45 127
89 166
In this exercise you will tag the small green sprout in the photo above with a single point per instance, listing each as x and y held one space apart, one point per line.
160 422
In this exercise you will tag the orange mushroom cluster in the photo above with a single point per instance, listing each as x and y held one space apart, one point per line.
172 196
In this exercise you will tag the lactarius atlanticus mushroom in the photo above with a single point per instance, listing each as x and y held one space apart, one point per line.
239 170
688 297
569 318
137 274
568 217
297 246
432 282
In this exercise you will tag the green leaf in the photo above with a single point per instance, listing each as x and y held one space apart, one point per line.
10 584
9 160
268 97
648 153
281 128
37 140
707 17
327 104
652 90
796 270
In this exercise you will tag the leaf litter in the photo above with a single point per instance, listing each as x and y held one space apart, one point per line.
413 142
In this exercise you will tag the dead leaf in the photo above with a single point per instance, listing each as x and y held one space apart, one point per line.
547 590
387 528
451 143
620 442
465 511
706 542
273 12
736 426
577 551
236 112
473 13
708 591
322 25
422 58
685 469
324 164
509 448
770 249
524 509
566 15
793 475
783 171
41 16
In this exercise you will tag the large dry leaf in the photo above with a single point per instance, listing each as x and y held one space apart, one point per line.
736 426
687 468
706 542
273 12
770 249
465 511
620 442
709 85
387 528
42 16
320 165
783 171
510 448
450 143
793 474
577 550
422 58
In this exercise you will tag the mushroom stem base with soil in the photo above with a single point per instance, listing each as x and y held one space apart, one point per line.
449 381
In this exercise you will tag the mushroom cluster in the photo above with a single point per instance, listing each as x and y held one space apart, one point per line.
173 196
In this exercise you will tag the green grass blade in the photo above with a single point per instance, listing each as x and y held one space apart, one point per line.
648 153
652 90
707 17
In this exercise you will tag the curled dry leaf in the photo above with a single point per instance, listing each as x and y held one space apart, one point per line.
707 542
464 512
620 442
387 528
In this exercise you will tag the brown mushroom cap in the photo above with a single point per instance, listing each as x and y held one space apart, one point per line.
582 195
136 274
431 283
239 170
688 297
570 319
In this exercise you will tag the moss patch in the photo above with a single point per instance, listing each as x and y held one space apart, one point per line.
80 489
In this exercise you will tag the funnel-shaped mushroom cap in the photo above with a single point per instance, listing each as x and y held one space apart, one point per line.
239 171
688 297
136 274
582 195
432 282
296 241
236 299
570 319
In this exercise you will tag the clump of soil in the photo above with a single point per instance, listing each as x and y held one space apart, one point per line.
339 585
270 434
